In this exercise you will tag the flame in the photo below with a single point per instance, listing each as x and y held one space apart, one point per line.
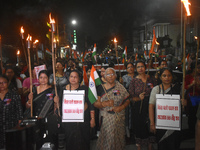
115 40
51 19
54 40
36 41
186 4
29 38
18 52
157 43
195 37
22 30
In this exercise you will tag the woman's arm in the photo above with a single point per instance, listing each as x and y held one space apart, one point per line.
121 107
99 104
151 117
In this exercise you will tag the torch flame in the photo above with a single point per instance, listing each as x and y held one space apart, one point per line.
186 4
157 43
29 38
54 40
18 52
51 19
195 37
22 29
115 40
36 41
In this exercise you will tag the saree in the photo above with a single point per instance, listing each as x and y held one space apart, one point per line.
43 104
112 131
168 139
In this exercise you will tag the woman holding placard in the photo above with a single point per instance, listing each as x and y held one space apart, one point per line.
167 139
77 134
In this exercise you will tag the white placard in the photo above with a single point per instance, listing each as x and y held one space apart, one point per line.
73 106
168 112
38 69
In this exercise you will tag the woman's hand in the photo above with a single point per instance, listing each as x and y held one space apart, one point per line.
153 128
56 99
30 96
142 95
92 123
184 102
118 108
109 103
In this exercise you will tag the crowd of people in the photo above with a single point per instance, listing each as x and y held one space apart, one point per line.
124 110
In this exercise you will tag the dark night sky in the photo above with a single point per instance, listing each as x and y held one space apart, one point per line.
96 18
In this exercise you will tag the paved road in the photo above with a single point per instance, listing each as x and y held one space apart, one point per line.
187 139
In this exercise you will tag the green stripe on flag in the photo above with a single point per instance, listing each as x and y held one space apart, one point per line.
91 97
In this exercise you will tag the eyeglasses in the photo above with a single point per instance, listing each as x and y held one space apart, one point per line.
110 75
3 82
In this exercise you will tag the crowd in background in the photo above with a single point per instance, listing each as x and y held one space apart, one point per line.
115 118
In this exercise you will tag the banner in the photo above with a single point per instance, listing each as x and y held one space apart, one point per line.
38 69
168 112
73 106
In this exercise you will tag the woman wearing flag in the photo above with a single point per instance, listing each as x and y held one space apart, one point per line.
77 134
112 103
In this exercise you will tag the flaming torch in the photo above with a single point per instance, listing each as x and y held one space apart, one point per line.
22 38
186 4
195 73
116 51
18 53
52 22
29 39
36 50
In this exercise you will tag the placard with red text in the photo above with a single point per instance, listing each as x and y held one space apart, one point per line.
168 112
73 106
38 69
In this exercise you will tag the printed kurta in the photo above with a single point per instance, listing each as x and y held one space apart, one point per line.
112 132
10 113
140 119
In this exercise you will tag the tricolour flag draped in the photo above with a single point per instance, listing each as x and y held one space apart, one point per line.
124 55
93 82
153 44
94 53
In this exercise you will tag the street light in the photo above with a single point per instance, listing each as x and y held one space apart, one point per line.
74 22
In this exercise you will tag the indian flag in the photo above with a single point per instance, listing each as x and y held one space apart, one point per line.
94 53
124 55
93 82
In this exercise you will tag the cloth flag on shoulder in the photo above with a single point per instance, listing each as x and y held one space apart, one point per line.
124 55
94 53
93 82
